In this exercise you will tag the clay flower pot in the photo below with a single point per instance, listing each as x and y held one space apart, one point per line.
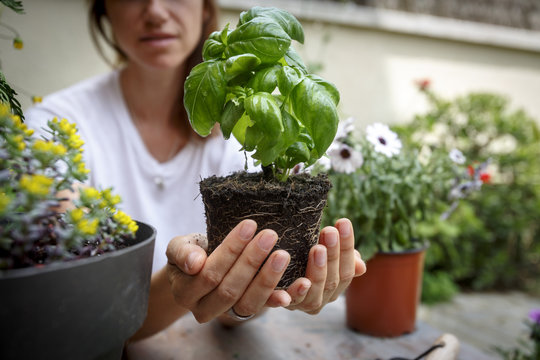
293 209
80 309
384 300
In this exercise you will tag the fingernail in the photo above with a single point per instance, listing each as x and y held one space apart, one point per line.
287 301
279 262
345 229
192 260
320 257
248 230
267 240
330 238
303 289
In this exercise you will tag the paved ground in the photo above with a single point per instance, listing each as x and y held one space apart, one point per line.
484 320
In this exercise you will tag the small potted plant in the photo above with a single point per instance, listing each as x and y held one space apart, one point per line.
74 284
527 350
254 84
389 192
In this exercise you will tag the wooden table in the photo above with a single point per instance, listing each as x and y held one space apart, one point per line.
284 334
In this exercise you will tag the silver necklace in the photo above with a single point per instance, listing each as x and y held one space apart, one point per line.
158 178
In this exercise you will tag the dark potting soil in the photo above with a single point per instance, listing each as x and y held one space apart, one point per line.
292 209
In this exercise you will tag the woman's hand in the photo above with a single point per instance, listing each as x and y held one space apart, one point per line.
210 285
332 265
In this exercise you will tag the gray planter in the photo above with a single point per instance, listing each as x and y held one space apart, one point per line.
82 309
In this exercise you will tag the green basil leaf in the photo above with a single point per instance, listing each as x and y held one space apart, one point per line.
232 112
291 128
240 129
265 80
204 95
287 21
299 152
260 37
287 78
254 135
306 138
264 111
212 50
271 148
292 58
240 64
317 111
329 87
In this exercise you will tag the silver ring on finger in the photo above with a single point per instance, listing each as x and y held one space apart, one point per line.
234 315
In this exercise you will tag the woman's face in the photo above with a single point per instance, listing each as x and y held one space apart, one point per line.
158 34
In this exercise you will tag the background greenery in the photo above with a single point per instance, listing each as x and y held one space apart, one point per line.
492 241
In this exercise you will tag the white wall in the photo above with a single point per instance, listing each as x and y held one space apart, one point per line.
57 47
374 58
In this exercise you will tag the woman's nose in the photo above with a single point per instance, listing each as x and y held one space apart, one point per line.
156 11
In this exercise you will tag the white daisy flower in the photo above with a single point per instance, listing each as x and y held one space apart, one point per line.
345 127
324 161
457 156
345 159
383 139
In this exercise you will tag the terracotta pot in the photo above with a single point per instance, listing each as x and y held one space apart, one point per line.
384 300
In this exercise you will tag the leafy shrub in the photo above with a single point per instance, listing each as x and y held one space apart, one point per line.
493 243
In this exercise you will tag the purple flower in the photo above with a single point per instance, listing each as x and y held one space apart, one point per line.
534 316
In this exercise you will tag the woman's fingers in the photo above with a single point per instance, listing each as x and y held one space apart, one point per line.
188 290
316 272
331 240
347 257
298 291
262 287
185 253
239 277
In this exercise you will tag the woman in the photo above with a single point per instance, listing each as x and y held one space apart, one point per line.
138 140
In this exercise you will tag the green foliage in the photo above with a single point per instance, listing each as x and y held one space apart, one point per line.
437 287
495 242
9 96
32 172
390 198
254 84
13 5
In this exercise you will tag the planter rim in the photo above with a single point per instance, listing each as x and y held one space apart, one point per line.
28 271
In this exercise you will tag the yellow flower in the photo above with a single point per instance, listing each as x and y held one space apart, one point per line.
4 109
18 122
91 193
125 221
49 147
18 43
88 227
82 169
37 99
74 141
109 200
77 158
76 215
19 141
36 184
4 202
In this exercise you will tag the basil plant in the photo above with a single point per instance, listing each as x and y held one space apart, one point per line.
256 86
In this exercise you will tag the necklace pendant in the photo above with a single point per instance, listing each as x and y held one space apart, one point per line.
158 180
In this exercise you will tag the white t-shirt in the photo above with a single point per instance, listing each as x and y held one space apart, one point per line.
117 157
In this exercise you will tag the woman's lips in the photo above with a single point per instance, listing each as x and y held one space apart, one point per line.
158 39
